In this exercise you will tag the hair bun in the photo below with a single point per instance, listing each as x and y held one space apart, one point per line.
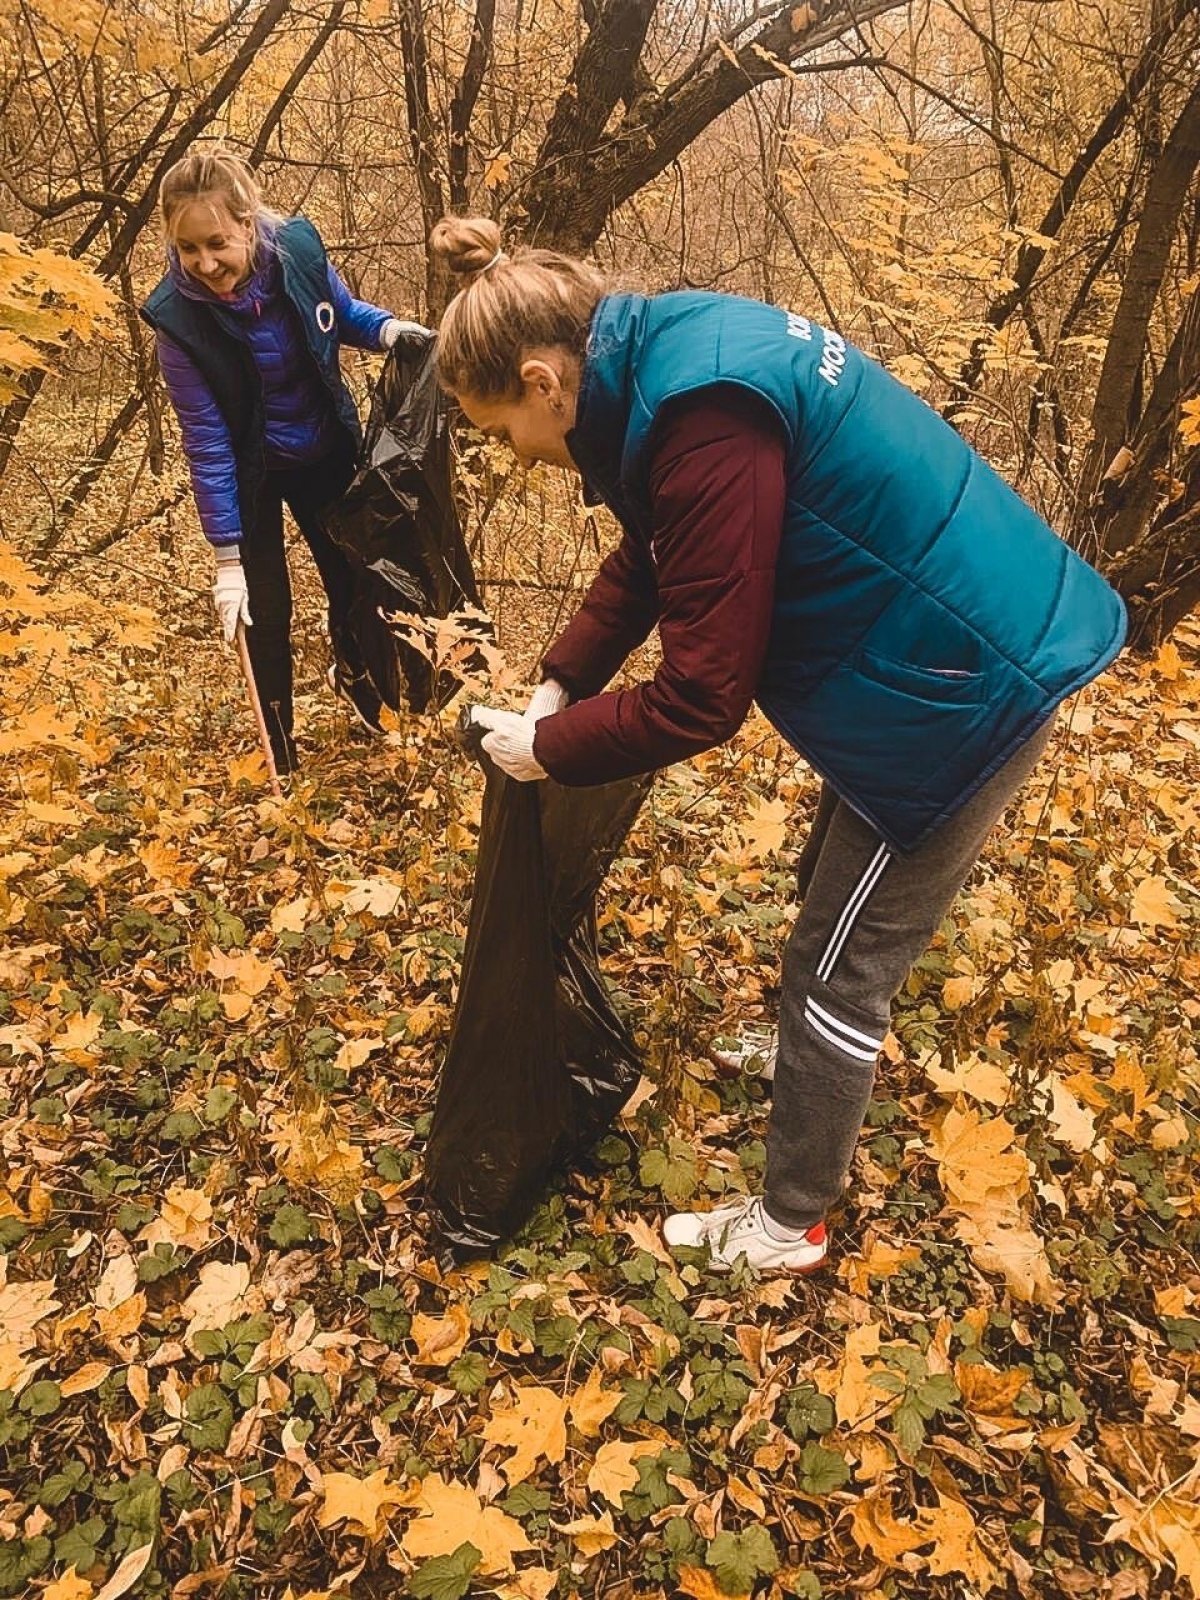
466 244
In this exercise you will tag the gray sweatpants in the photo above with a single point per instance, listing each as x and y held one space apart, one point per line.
869 913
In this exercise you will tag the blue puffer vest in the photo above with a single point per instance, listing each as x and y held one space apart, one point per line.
926 621
210 334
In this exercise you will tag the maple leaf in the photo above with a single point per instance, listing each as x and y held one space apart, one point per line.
956 1546
701 1585
22 1307
765 828
453 1515
614 1472
1002 1241
874 1527
223 1294
591 1405
70 1586
534 1425
986 1390
975 1156
440 1340
590 1534
362 1503
186 1220
1153 905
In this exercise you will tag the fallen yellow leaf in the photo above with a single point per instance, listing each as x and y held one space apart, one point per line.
591 1405
440 1340
614 1472
533 1426
362 1503
452 1515
590 1534
69 1587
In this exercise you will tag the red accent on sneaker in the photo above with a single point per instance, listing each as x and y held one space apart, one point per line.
816 1234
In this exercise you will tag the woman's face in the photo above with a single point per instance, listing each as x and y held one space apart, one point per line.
213 247
535 424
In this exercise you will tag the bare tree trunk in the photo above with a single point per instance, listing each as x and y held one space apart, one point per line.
1113 414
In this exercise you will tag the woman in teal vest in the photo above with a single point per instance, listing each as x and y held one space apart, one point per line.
808 534
250 318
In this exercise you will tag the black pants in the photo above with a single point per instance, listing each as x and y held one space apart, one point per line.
306 490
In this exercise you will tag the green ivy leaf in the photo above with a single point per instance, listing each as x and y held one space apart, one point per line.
808 1412
209 1418
738 1559
445 1577
291 1225
468 1373
822 1471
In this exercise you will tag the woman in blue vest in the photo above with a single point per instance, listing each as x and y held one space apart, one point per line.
806 533
249 319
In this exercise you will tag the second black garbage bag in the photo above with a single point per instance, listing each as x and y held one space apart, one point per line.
398 524
538 1063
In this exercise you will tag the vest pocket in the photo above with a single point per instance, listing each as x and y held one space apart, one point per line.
948 686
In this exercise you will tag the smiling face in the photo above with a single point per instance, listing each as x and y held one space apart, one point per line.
535 424
213 247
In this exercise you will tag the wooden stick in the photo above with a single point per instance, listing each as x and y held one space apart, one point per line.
256 705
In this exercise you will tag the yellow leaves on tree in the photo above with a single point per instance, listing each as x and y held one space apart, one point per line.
450 1515
44 298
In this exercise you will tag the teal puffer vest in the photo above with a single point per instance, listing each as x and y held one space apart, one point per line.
926 620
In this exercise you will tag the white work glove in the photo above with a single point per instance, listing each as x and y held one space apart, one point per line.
231 598
510 743
394 327
548 700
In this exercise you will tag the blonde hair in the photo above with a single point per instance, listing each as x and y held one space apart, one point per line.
512 304
211 172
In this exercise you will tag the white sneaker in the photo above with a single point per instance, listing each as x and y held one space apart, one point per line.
742 1229
754 1052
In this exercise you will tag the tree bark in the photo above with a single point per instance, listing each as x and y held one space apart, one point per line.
583 172
1113 416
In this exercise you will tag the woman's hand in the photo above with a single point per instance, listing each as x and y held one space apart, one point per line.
548 700
510 743
395 326
231 598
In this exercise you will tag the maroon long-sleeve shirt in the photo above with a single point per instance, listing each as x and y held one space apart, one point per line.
706 576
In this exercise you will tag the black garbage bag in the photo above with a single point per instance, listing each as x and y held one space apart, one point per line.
398 524
538 1063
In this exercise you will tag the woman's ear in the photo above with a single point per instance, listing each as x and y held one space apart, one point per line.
542 378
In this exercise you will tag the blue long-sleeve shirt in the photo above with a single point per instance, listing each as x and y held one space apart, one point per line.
299 420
